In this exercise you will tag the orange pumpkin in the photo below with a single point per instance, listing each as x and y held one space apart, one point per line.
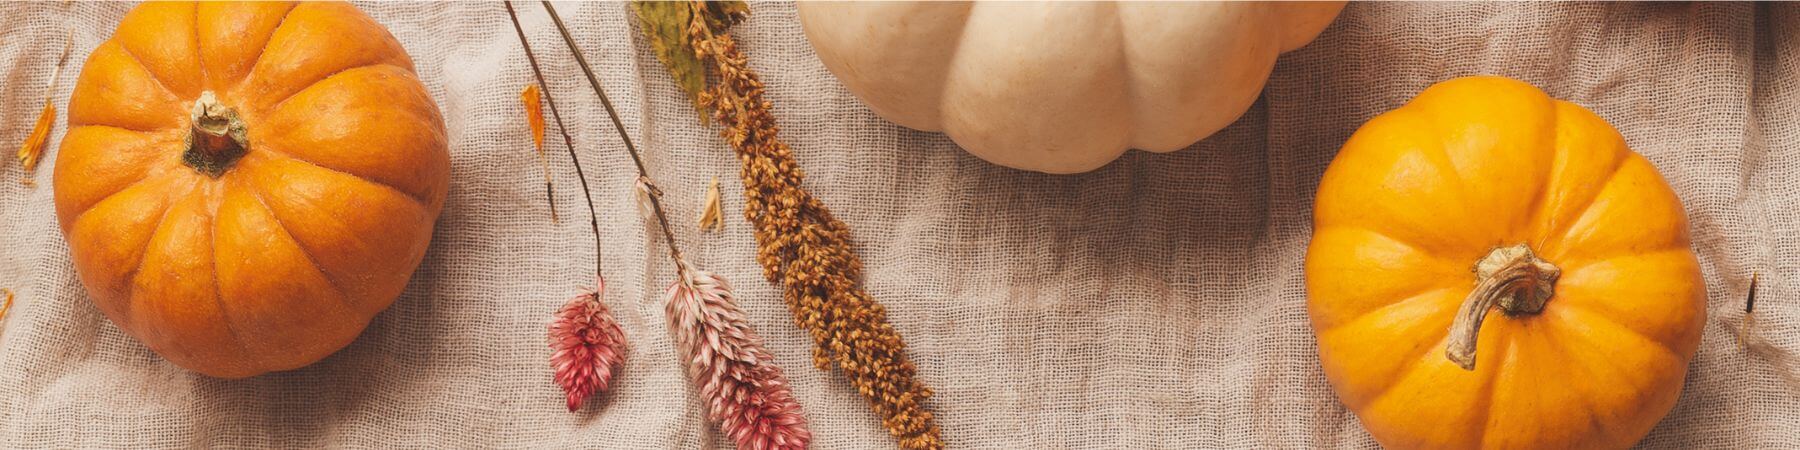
243 186
1484 198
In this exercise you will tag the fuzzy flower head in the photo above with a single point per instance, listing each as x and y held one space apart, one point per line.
745 393
588 346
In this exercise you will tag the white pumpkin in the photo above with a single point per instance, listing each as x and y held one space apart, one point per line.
1059 87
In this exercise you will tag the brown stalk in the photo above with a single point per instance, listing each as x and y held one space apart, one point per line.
662 218
1750 337
568 142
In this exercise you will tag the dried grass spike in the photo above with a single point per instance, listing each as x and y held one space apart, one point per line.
745 393
588 346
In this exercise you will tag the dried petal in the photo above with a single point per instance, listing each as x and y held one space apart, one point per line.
534 115
712 215
745 393
6 305
588 345
34 145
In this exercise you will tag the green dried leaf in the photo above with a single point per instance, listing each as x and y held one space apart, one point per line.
665 25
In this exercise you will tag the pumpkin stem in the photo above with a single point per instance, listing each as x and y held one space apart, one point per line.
217 137
1512 278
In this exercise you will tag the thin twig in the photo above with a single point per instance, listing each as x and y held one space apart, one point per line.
1750 300
568 142
611 113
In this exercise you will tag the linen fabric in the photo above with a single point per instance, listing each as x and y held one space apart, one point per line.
1157 302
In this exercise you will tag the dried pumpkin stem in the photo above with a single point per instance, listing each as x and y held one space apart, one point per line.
1512 278
216 137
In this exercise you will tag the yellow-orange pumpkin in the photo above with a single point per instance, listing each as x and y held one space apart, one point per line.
1485 197
243 186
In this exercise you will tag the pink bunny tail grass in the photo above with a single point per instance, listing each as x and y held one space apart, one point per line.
745 393
588 346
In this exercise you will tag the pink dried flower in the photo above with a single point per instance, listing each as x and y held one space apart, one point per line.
588 345
744 391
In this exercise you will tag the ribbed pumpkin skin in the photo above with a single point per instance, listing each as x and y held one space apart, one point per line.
1060 87
1419 194
287 255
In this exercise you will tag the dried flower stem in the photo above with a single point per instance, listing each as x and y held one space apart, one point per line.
662 218
32 149
587 342
1755 344
568 142
807 250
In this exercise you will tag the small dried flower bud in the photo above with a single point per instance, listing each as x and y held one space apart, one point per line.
588 346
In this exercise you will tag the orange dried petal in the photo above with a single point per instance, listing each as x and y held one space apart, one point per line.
33 148
534 112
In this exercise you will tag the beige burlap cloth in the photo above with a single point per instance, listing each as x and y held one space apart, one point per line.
1155 303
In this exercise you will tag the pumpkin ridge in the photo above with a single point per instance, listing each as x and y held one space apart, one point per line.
145 178
1615 433
421 201
109 62
272 108
150 168
143 252
148 73
943 76
1577 244
260 52
1502 356
396 55
282 225
1573 313
354 237
237 340
1440 157
1419 359
1415 246
1418 362
1583 263
1404 300
1554 335
1558 232
1129 80
199 56
1536 207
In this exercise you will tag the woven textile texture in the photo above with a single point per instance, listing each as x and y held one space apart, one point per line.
1155 303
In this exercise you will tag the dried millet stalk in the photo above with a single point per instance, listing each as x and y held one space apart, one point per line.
806 250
